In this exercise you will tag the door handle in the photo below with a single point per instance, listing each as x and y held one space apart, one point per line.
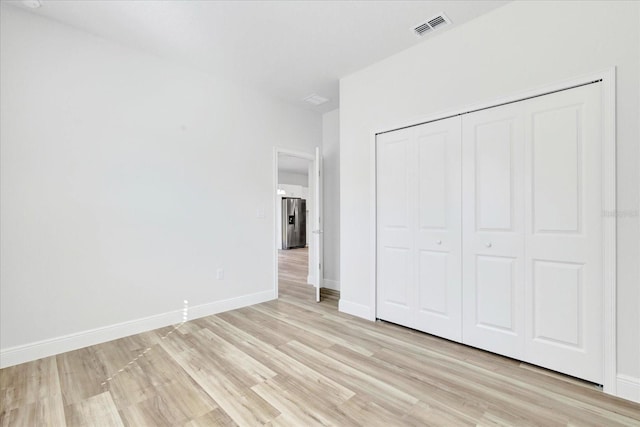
438 242
317 231
488 244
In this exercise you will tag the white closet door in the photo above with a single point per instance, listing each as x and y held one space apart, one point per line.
438 254
395 217
419 228
564 232
493 254
523 181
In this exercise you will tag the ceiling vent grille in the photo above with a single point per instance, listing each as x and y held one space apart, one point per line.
422 28
315 99
431 24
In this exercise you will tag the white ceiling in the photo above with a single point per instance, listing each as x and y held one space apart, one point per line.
288 49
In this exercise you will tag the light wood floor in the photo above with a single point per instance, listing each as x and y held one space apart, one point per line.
297 363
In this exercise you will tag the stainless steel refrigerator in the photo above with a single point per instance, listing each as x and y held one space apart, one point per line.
294 223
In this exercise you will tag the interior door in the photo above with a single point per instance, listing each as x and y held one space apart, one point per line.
438 251
317 232
564 232
493 254
395 260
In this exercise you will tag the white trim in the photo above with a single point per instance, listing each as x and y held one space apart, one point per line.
609 226
276 152
331 284
49 347
215 307
275 221
608 77
628 387
311 280
317 264
373 245
355 309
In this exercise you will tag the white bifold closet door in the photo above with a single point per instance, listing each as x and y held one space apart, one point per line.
493 224
419 227
489 230
563 232
532 262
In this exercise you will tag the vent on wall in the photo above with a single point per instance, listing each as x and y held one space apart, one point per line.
431 24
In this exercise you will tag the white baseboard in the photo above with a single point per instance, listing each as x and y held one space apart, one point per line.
356 309
628 387
230 304
45 348
331 284
49 347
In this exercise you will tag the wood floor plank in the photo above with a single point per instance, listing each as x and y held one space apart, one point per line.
475 385
28 383
172 404
47 411
423 414
384 394
322 329
451 398
98 410
295 362
282 363
288 404
217 417
81 375
360 411
246 366
255 324
242 404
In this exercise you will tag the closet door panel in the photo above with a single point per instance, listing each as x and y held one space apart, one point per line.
556 170
433 276
395 218
495 289
557 291
494 180
564 232
438 228
493 245
395 274
433 167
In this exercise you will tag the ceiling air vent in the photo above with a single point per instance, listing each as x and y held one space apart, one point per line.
422 28
431 24
315 99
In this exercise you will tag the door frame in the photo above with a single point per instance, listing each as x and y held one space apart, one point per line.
293 153
607 77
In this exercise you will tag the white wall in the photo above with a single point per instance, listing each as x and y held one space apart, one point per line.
520 46
331 198
126 182
292 178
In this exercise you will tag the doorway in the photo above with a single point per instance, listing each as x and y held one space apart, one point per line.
296 225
